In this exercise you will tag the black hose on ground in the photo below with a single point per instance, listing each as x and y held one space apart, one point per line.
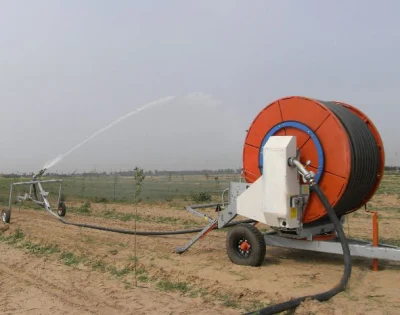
145 233
277 308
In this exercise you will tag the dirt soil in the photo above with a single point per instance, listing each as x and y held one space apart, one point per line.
50 268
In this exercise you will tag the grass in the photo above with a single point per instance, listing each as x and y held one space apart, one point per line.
40 250
69 259
112 214
84 209
99 265
144 278
256 305
228 302
191 188
390 183
17 239
168 286
390 241
14 238
119 272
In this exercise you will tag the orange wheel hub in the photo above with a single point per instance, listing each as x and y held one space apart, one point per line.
245 246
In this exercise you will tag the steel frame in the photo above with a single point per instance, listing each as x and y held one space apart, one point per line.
36 194
358 248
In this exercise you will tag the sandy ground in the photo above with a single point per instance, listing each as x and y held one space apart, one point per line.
92 272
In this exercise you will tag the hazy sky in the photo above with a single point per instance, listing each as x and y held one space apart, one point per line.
68 68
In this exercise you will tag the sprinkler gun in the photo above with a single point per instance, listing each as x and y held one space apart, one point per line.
39 174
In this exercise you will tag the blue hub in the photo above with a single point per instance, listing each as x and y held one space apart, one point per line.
304 128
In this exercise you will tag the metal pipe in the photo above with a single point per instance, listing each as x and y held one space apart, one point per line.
40 173
10 197
307 175
209 205
44 196
201 215
38 181
59 195
375 238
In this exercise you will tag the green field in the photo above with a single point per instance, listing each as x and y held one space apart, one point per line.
390 183
198 188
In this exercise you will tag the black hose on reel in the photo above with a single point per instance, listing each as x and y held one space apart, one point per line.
364 159
277 308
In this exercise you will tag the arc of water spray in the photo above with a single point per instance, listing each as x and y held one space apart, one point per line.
60 157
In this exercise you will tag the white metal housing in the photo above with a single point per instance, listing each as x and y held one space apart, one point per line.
267 200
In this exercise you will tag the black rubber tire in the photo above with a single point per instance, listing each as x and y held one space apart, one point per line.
62 209
6 216
254 238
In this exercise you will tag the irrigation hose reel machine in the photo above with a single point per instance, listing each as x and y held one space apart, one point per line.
293 144
295 148
306 165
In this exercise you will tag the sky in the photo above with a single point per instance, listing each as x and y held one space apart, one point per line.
69 68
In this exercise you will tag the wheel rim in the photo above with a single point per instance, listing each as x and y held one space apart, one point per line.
243 248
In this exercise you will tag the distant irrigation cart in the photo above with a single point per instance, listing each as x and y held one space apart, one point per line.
36 194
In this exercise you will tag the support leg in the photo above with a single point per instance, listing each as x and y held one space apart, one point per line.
375 238
200 235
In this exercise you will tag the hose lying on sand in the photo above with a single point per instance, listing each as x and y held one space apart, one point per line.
146 233
277 308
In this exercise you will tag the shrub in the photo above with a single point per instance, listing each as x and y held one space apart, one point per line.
201 197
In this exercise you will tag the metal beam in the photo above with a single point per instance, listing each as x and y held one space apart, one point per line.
201 215
358 248
38 181
200 235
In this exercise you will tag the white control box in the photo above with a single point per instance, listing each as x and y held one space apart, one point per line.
268 199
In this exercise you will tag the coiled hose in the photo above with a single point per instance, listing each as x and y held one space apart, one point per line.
364 160
277 308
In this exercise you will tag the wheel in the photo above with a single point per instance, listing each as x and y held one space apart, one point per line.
62 209
245 245
6 216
